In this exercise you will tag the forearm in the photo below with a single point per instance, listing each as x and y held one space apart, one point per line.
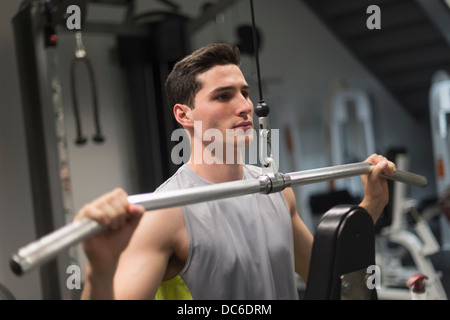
373 208
98 285
376 193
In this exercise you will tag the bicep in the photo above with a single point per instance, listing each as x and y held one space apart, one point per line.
143 264
303 239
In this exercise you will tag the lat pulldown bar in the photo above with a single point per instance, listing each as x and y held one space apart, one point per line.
47 247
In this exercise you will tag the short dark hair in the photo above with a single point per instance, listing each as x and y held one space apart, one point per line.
182 84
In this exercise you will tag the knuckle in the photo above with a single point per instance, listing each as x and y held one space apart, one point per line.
119 192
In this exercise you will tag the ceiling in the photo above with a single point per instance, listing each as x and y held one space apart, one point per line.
412 44
113 15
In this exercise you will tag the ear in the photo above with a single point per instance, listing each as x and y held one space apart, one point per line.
183 115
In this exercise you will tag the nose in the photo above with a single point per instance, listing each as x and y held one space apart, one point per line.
245 106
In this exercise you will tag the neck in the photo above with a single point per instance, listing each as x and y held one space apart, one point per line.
216 168
218 173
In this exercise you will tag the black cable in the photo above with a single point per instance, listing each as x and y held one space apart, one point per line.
255 45
98 137
79 139
262 109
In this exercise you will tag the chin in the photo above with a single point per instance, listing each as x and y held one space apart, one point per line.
241 141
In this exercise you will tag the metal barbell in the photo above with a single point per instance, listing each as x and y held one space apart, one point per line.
48 246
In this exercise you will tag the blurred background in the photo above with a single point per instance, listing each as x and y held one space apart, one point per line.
341 82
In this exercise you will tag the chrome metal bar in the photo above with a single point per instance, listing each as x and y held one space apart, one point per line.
152 201
301 178
46 248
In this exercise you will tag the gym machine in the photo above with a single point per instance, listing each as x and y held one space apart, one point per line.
439 100
351 131
343 256
414 239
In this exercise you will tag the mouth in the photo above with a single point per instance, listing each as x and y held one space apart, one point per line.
244 125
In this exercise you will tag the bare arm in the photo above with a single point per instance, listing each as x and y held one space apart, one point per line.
303 238
103 250
129 259
144 264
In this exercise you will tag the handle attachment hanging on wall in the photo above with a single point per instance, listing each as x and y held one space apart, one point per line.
80 57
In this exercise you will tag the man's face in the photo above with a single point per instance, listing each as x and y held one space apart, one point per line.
223 102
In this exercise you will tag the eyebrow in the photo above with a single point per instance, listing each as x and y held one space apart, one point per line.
221 89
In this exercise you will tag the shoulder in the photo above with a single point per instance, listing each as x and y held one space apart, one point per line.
180 179
160 228
148 254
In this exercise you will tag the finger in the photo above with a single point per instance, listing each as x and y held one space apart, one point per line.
135 213
376 158
119 204
116 213
121 195
136 209
390 168
373 158
116 193
108 209
379 168
90 211
109 213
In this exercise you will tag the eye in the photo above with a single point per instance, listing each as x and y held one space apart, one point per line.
223 97
245 94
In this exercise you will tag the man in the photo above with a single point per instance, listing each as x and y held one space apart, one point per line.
247 247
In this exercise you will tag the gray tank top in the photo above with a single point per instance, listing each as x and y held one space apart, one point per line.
239 248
